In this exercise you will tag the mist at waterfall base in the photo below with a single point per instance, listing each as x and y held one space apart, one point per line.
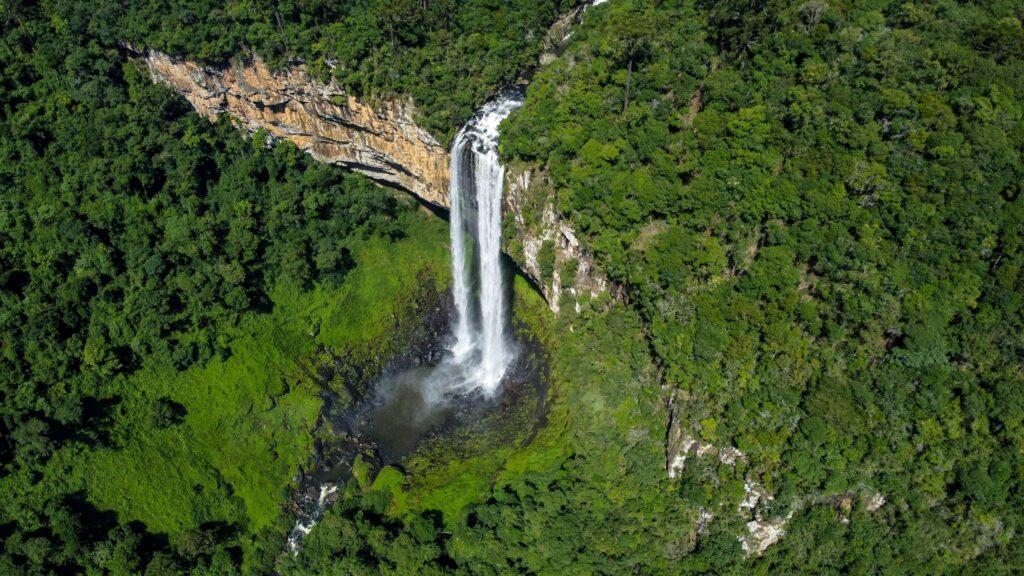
409 404
453 384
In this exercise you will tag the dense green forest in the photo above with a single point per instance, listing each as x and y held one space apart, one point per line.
449 55
814 210
142 250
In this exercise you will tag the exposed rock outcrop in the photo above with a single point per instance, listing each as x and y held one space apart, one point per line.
762 534
586 282
380 141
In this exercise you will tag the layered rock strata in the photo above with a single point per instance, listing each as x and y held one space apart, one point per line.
380 141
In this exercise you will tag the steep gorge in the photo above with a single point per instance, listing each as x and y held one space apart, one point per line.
380 140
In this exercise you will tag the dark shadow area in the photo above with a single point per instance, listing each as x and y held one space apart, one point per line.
6 530
165 413
149 543
220 530
95 523
15 281
97 420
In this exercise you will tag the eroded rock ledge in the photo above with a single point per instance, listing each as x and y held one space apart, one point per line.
522 184
379 141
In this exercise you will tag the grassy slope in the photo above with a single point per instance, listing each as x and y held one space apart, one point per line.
249 417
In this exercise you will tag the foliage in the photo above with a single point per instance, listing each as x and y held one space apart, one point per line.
816 207
546 259
448 55
248 418
159 276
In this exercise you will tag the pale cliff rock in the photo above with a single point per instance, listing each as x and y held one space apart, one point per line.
588 282
380 141
875 501
762 534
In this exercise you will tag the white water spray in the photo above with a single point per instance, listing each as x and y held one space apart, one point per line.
477 180
304 525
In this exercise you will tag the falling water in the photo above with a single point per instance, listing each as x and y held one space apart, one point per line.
406 406
477 180
314 513
461 284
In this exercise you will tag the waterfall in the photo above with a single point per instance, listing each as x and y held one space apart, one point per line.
481 341
461 283
407 405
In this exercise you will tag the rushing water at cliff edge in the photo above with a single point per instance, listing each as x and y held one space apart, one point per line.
409 402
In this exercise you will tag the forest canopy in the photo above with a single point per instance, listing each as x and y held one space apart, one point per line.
134 234
817 209
811 213
448 55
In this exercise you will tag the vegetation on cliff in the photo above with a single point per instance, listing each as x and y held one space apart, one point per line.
448 55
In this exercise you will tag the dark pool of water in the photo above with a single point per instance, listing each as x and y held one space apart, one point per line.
410 404
405 408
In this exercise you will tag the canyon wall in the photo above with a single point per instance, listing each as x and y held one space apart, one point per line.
381 141
522 187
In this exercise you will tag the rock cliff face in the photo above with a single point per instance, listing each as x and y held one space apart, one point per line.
586 281
380 141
